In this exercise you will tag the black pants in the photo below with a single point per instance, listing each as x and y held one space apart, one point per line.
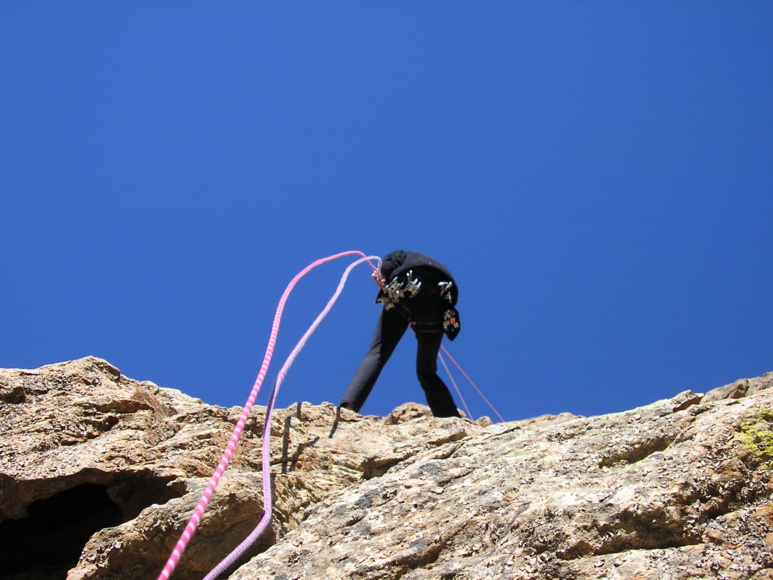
389 330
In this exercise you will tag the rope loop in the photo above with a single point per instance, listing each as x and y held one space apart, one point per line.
198 513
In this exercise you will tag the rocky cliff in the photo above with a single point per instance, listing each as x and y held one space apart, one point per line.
99 474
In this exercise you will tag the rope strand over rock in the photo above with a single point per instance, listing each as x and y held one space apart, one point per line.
267 500
198 513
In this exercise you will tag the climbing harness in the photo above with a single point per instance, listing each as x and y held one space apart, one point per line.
410 289
407 286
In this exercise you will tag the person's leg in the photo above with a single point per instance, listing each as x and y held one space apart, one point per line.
439 398
389 330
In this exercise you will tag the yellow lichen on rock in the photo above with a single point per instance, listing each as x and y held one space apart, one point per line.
756 434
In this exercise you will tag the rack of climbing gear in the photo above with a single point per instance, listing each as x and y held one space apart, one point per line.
398 290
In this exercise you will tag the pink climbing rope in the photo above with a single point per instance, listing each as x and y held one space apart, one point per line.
198 512
482 396
229 560
453 382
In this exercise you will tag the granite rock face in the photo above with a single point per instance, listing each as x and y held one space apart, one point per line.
99 474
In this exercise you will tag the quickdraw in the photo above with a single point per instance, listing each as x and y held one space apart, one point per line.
451 323
398 290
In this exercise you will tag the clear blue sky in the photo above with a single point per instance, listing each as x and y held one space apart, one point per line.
597 175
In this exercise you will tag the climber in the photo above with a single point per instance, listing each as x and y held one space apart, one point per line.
417 291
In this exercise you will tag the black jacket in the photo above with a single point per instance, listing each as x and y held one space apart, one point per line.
427 269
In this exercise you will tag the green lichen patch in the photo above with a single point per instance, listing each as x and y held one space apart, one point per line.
756 434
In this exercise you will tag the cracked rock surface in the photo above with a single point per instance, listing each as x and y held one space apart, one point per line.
109 469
